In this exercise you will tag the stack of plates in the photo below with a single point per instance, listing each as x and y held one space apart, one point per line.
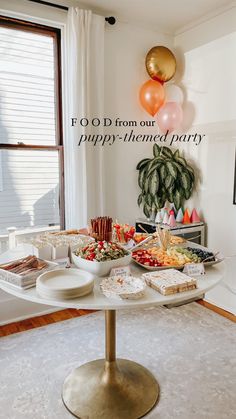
64 284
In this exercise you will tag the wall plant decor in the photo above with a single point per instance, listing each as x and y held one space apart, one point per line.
165 177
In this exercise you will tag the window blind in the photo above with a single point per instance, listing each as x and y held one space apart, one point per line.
29 180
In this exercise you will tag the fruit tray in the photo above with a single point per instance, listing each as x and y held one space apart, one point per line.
199 251
160 268
204 249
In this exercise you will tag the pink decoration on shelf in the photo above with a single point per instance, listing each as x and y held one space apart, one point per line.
172 207
194 216
172 222
166 218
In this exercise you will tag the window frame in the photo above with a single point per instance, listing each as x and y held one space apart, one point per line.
55 33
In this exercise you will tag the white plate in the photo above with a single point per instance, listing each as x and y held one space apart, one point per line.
60 297
64 283
214 262
127 287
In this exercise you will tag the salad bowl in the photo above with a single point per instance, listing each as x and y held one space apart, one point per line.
100 257
100 268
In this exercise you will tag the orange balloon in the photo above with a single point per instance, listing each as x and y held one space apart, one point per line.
152 96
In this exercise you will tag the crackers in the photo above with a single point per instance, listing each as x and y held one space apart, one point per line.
170 281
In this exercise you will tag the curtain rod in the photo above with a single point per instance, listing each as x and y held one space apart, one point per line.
111 19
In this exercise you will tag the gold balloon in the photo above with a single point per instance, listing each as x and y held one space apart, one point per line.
160 64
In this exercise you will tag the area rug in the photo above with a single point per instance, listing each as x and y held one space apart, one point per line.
190 349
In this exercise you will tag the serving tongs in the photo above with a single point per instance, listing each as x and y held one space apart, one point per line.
150 237
161 235
210 257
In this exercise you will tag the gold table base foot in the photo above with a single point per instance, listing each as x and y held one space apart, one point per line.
110 390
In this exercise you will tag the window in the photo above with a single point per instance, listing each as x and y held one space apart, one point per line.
31 148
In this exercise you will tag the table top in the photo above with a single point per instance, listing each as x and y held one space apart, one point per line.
97 301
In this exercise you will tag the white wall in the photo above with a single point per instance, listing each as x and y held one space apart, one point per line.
209 70
209 79
206 71
125 49
31 11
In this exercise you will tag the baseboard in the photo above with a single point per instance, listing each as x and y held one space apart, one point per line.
15 309
218 310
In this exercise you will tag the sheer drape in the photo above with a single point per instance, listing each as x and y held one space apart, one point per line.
85 97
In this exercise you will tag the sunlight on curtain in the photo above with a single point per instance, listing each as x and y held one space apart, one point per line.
85 97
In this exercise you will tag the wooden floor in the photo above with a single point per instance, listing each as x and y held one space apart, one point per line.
61 315
40 321
218 310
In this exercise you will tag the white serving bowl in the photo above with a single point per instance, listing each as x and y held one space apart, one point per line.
100 268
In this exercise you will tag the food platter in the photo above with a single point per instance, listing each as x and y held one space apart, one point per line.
160 268
100 268
170 282
127 287
217 260
100 257
198 246
198 252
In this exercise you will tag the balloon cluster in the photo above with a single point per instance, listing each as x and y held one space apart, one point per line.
160 99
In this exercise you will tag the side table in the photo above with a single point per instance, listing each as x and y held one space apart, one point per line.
193 231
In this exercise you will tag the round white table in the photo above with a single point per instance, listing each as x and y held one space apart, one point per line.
114 388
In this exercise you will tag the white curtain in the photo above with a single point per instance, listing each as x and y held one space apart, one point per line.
85 97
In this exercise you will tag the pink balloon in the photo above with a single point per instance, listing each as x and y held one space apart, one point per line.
170 116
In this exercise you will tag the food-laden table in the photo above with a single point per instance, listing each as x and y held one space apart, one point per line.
113 388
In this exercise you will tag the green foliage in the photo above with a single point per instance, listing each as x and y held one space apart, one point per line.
165 177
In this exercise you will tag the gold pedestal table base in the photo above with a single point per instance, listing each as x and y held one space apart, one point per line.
110 388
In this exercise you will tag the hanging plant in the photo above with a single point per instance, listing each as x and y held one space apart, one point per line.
165 177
